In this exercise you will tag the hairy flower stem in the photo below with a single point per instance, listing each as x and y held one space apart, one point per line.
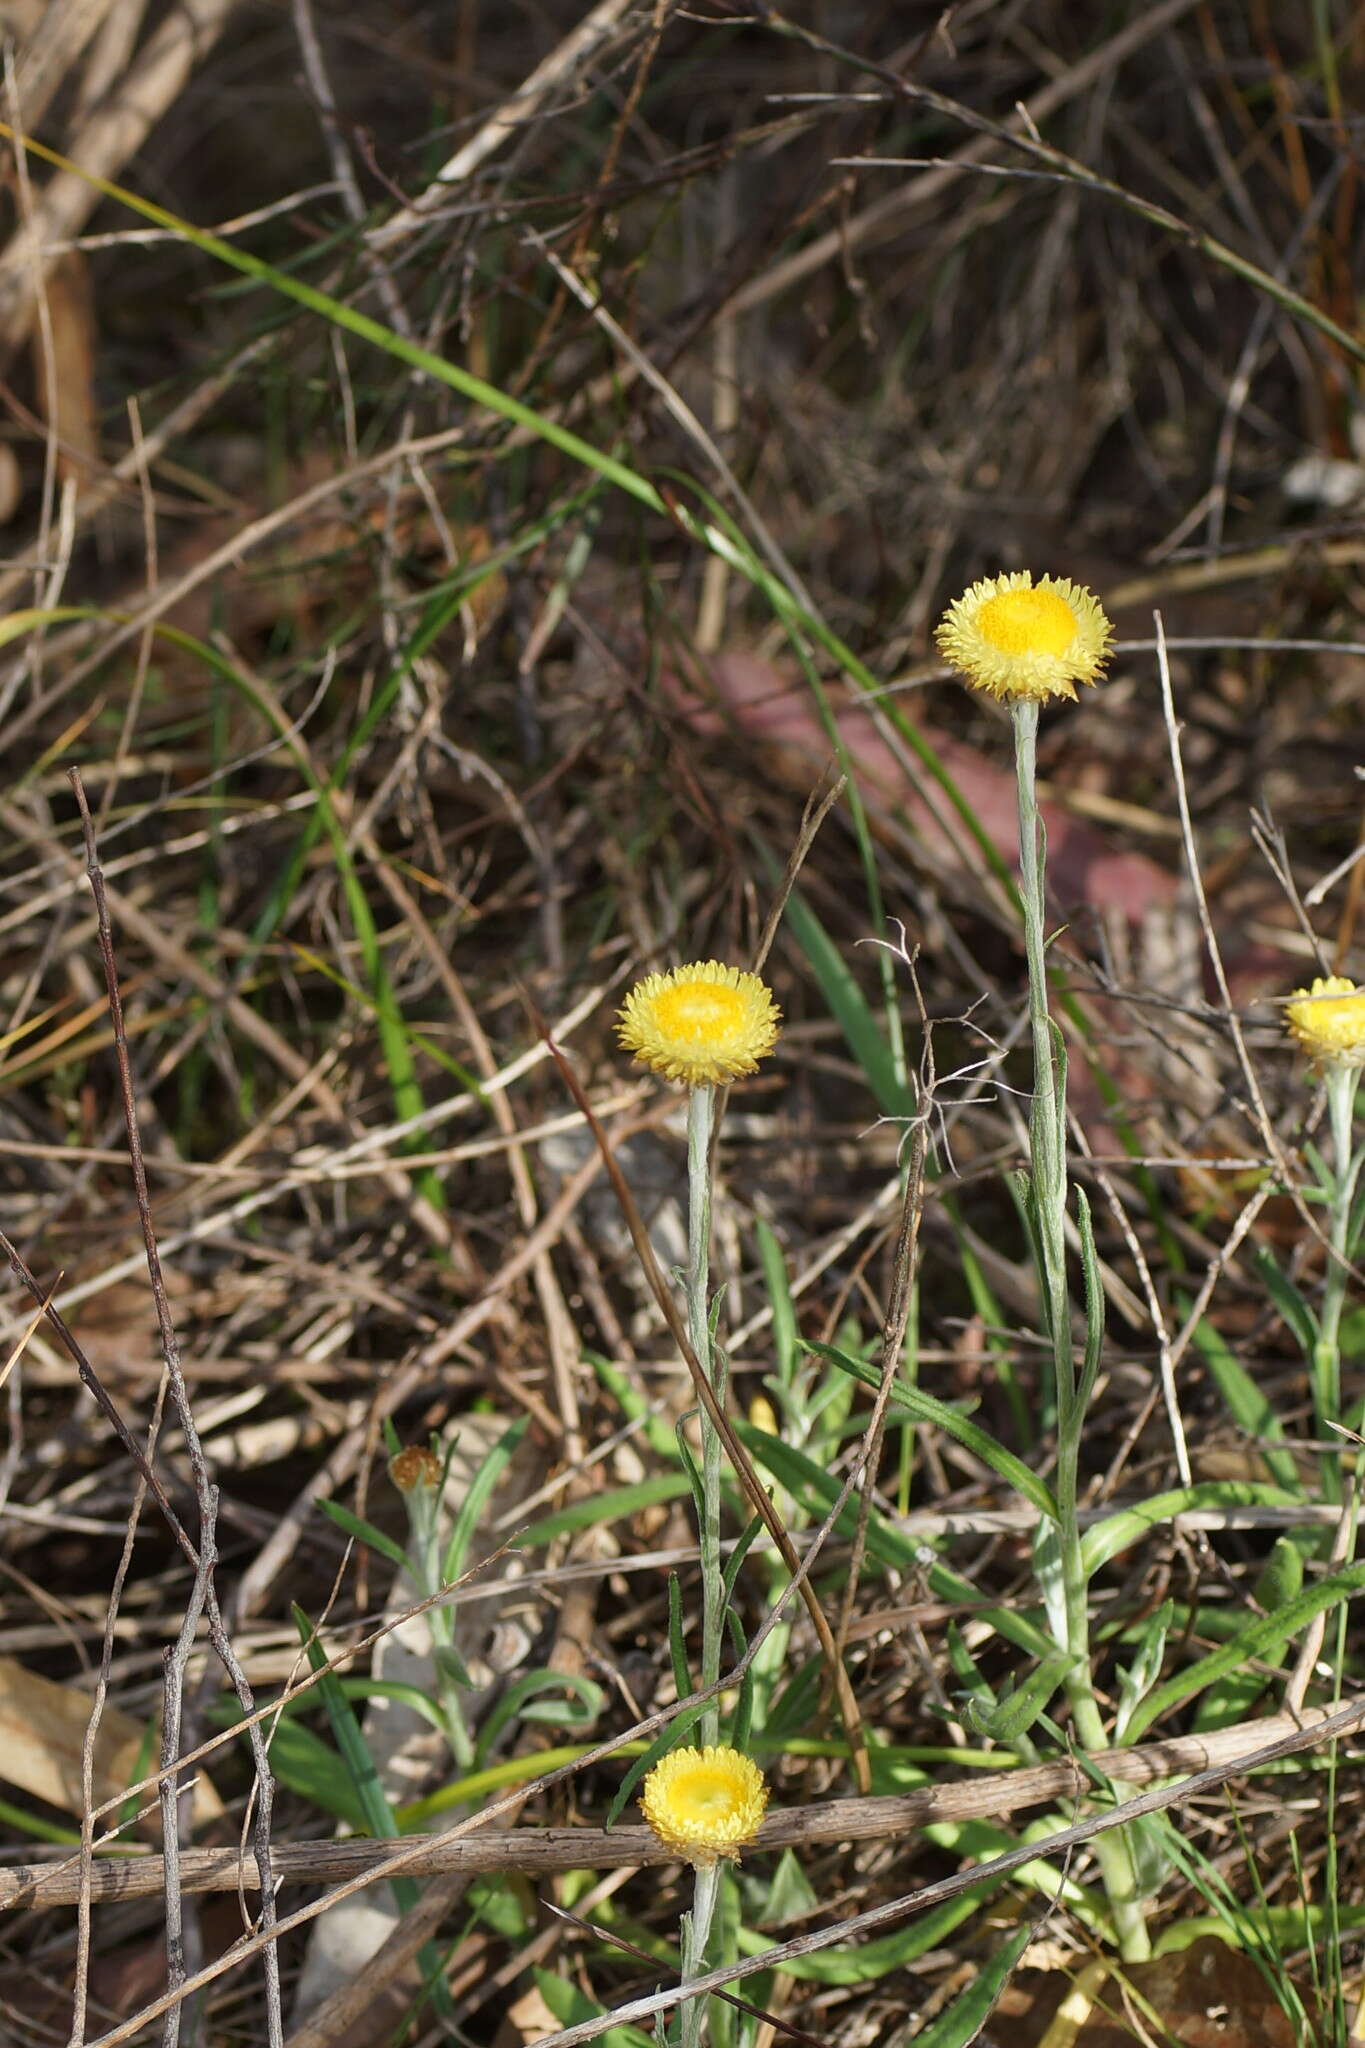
1342 1082
696 1938
700 1119
1047 1146
425 1546
696 1929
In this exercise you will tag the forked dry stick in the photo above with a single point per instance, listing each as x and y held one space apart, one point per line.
563 62
203 1596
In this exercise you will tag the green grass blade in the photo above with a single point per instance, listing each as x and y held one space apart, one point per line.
1104 1540
1259 1638
616 1505
1246 1404
968 2014
925 1408
850 1009
491 1469
785 1346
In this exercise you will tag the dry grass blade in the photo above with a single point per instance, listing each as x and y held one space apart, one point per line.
203 1597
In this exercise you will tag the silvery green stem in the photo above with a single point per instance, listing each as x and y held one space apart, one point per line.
423 1504
700 1116
696 1937
696 1927
1342 1082
1048 1178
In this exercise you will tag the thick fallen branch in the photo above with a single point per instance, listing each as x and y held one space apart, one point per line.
541 1850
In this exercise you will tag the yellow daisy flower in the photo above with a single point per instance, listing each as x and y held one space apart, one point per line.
705 1803
1012 637
700 1024
1328 1021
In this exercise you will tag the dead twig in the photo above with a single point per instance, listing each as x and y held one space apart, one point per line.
203 1595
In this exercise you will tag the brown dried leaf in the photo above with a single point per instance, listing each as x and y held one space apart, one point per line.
1207 1996
42 1730
65 373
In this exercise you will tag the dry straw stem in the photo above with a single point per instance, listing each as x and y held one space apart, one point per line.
203 1597
63 29
542 1851
1023 136
883 220
568 57
112 135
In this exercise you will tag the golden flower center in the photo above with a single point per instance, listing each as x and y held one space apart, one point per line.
710 1795
1027 622
700 1012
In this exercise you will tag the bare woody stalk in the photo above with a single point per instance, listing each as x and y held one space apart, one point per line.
203 1596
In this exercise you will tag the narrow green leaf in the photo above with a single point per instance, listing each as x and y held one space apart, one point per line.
615 1505
410 1696
1287 1299
742 1718
1142 1674
1094 1300
1260 1638
925 1408
1246 1404
734 1564
1005 1720
633 1405
450 1664
960 2025
379 1817
849 1007
305 1763
576 1703
491 1469
365 1532
785 1347
1229 1700
677 1639
1104 1540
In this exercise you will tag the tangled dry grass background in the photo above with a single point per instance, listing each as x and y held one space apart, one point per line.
409 741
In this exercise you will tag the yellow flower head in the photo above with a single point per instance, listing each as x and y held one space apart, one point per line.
1328 1021
700 1024
1012 637
705 1803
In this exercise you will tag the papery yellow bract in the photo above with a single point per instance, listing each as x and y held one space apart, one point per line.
701 1024
705 1803
1328 1021
1014 638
